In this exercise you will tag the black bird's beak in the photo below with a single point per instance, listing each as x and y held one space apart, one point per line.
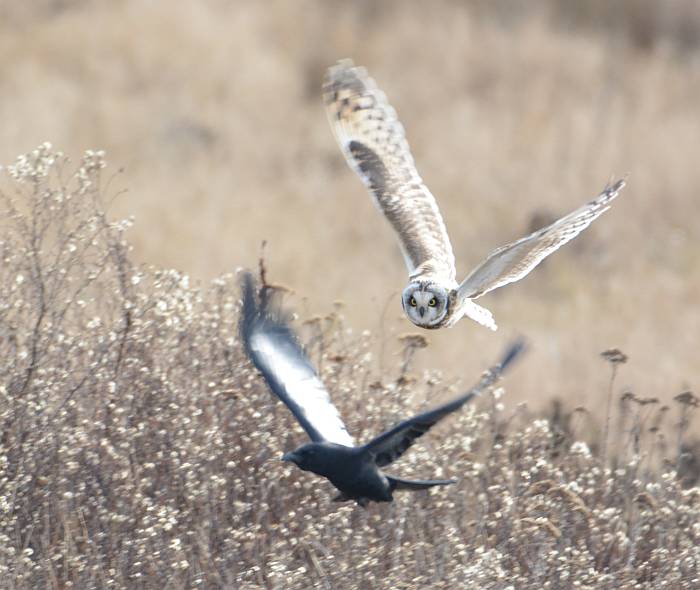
290 457
421 311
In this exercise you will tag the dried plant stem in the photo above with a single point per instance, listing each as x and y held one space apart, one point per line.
608 415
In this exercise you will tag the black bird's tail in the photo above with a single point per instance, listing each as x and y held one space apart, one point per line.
417 484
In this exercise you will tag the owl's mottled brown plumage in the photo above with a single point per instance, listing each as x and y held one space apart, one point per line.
375 146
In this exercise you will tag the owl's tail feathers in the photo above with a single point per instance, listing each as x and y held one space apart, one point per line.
479 314
416 484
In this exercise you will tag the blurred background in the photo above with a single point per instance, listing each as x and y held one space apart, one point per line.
517 112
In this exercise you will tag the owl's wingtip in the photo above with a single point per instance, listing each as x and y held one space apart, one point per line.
344 62
344 74
615 186
340 68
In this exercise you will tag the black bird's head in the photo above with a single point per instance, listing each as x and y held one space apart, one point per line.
311 457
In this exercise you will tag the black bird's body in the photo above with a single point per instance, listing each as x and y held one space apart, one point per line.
354 470
351 470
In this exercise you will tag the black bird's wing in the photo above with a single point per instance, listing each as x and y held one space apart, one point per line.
272 346
389 446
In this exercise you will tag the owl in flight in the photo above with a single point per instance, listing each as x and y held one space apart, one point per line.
373 141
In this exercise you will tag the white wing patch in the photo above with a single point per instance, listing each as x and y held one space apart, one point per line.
302 387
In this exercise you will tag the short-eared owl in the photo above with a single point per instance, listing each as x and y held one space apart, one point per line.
374 144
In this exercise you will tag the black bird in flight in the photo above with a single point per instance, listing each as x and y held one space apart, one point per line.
354 470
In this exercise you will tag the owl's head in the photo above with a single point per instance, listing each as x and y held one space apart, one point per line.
425 303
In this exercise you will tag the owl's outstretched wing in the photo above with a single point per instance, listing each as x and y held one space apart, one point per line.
374 144
513 261
275 351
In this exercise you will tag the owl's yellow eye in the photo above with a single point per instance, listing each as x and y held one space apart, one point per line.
432 302
413 301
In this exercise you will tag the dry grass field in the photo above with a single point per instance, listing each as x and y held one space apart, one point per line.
138 448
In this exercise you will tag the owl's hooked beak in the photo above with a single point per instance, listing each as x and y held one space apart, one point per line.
421 311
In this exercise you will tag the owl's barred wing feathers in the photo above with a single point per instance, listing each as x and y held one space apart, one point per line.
513 261
373 142
375 146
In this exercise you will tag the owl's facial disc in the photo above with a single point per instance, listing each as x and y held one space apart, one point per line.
425 304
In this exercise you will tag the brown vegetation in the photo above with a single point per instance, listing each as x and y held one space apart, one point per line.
139 448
